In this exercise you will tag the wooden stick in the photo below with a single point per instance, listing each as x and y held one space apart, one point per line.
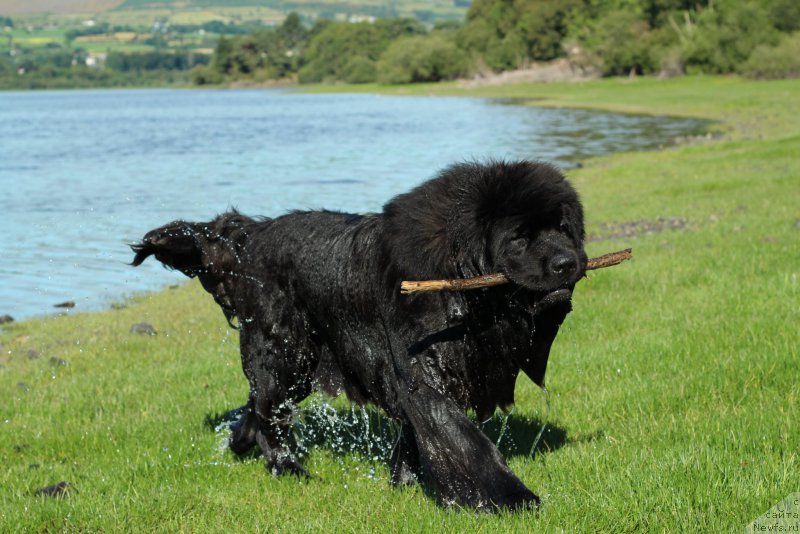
609 260
408 287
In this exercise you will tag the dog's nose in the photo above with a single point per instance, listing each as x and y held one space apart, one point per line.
563 264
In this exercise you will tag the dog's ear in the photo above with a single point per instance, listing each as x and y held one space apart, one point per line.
178 245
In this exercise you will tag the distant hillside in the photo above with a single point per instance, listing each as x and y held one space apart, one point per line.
424 10
56 7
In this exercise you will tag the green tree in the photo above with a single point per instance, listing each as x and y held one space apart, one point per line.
271 53
506 33
222 61
292 32
622 41
330 53
725 36
785 15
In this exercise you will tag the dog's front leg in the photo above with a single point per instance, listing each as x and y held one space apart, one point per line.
405 458
243 431
279 379
464 465
270 435
280 460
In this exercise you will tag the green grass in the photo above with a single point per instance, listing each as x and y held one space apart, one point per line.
674 383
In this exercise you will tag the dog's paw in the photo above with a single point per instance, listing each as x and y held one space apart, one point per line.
287 465
521 500
243 437
403 475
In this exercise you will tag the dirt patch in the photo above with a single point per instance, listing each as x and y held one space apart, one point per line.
683 140
122 37
559 70
617 230
258 84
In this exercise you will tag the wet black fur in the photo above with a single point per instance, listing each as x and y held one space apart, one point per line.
317 299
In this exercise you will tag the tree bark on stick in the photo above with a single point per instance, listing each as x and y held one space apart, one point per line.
408 287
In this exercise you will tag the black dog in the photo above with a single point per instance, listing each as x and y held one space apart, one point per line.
317 298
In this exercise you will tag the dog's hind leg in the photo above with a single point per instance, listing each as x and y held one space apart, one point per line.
464 465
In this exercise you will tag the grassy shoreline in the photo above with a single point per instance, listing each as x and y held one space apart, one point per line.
674 383
727 100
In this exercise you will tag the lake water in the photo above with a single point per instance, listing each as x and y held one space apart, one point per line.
84 173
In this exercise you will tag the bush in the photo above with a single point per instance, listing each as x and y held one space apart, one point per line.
422 59
775 62
359 70
153 60
204 75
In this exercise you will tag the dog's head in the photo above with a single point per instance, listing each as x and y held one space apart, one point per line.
532 222
522 219
209 251
535 232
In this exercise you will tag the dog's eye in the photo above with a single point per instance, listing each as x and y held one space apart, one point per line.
517 244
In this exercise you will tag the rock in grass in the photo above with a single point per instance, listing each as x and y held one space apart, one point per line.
33 355
6 319
144 329
56 490
57 362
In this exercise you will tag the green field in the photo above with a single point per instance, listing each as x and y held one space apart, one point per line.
435 9
674 383
34 38
42 37
145 12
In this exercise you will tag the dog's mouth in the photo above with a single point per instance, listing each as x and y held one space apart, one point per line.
545 298
553 298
